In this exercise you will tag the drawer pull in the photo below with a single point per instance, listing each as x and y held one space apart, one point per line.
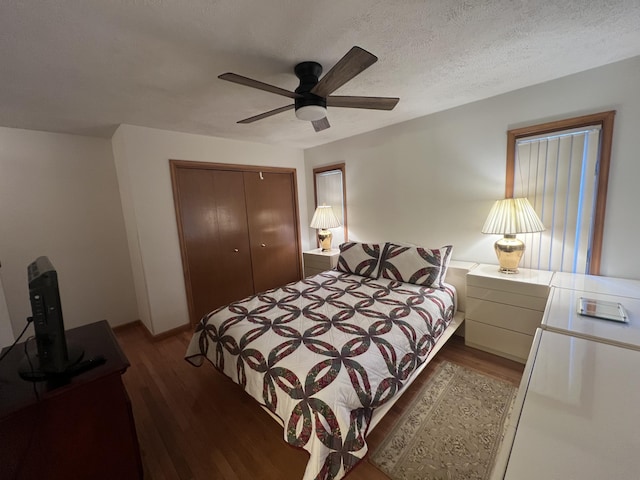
236 250
262 245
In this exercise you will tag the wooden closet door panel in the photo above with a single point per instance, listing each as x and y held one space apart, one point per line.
215 238
273 228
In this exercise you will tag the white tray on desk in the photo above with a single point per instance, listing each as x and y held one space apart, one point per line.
614 311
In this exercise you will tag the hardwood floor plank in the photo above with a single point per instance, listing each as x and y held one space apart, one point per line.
196 424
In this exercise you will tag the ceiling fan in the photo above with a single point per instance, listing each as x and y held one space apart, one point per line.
313 96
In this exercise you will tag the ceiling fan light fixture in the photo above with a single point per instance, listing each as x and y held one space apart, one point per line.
311 113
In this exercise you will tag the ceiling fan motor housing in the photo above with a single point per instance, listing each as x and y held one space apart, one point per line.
308 73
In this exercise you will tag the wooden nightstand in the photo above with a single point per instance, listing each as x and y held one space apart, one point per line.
316 261
504 310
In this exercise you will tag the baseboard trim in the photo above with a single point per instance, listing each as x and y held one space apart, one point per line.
148 334
170 333
127 326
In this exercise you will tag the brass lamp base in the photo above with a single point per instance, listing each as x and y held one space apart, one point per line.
509 251
325 237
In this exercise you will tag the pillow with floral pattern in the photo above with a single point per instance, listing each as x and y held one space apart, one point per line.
360 258
417 265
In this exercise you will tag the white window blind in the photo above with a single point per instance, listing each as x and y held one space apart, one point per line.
558 174
329 191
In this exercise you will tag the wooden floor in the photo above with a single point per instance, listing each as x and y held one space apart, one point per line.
194 423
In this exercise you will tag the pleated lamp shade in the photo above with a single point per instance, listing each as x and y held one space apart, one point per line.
509 217
323 219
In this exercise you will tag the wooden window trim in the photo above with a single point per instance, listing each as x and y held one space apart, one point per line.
605 120
328 168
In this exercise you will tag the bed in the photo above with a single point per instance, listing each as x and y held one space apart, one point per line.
327 356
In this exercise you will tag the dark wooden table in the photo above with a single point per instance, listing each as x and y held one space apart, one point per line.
76 428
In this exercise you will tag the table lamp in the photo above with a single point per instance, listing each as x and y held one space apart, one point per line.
323 219
509 217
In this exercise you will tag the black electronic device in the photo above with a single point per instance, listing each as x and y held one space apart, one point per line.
53 357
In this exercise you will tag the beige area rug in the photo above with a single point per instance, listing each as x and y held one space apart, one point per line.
451 431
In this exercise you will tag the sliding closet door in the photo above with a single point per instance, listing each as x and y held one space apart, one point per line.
273 228
215 238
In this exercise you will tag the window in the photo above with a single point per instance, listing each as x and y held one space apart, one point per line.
563 168
330 189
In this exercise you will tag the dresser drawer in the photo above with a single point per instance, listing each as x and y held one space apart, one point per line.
509 317
496 340
507 298
534 283
321 261
316 261
310 271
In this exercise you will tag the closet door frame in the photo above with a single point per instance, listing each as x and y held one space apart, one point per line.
175 165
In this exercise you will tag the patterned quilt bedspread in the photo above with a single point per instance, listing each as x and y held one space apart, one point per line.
322 353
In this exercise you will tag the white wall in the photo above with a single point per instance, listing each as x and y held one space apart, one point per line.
6 329
432 180
59 198
142 162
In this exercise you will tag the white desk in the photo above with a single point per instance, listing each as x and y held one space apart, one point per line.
561 316
576 414
590 283
579 419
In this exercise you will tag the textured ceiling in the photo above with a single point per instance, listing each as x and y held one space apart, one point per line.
86 66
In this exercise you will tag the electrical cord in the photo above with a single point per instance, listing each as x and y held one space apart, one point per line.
26 353
29 320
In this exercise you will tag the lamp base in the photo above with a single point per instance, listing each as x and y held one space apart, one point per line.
325 237
509 251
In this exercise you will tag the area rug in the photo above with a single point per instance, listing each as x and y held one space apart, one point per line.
452 430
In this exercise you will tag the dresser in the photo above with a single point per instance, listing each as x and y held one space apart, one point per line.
316 261
504 310
81 428
575 416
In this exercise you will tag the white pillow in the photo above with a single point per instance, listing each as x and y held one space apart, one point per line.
417 265
360 258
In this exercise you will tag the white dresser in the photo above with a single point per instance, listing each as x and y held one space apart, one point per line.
504 310
317 261
577 412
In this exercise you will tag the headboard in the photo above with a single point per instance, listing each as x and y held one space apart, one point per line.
457 276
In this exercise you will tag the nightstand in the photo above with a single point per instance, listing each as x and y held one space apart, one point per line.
316 261
504 310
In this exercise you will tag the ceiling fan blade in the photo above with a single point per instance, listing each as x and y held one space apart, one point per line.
372 103
267 114
355 61
249 82
322 124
